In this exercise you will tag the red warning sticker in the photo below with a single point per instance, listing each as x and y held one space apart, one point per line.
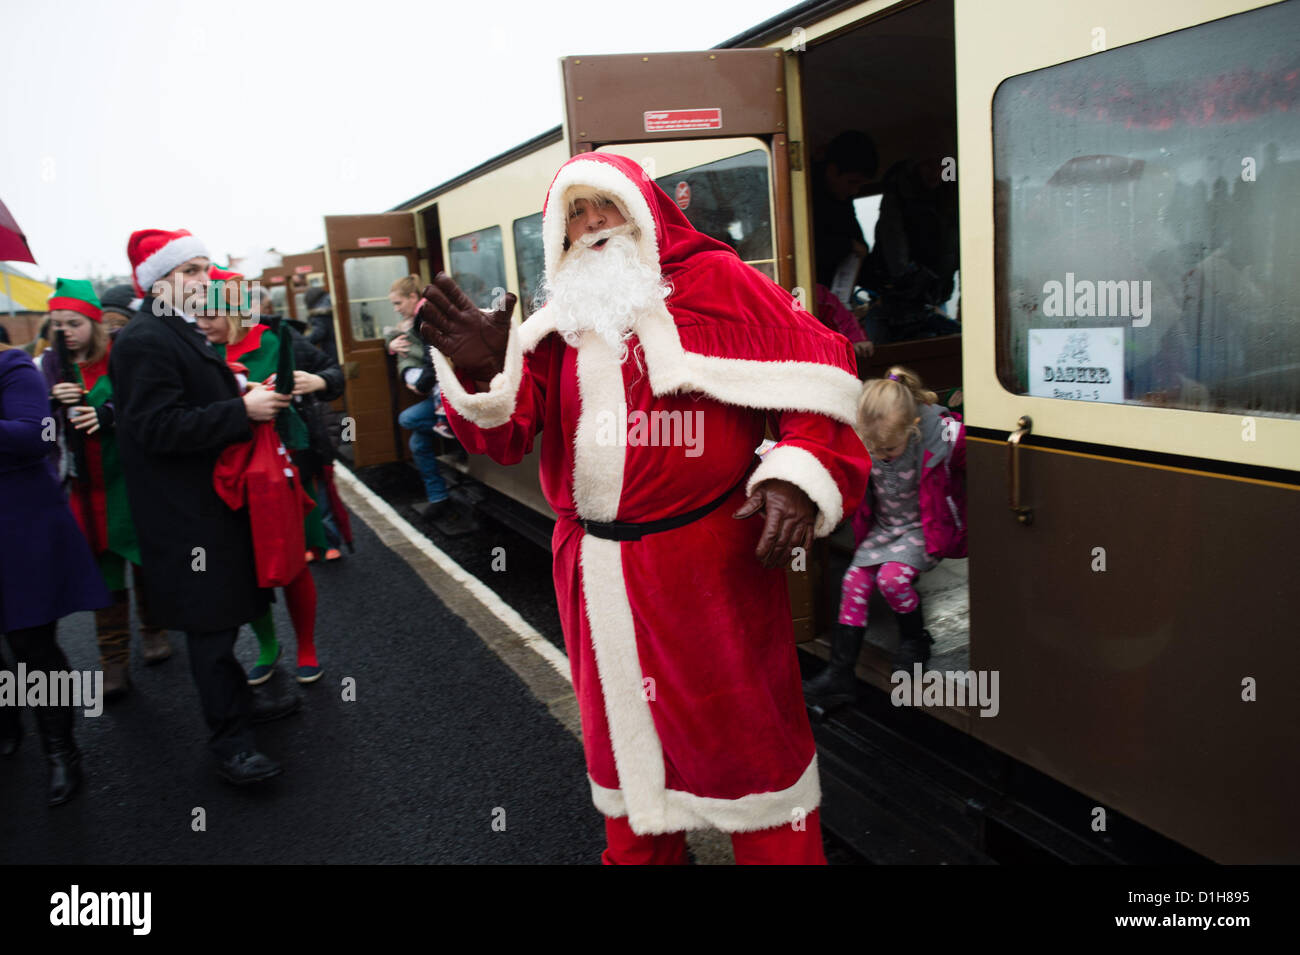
683 195
668 120
373 241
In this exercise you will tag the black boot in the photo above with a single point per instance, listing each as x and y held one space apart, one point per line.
55 724
837 684
913 641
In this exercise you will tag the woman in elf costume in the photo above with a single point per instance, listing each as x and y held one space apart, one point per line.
87 462
263 350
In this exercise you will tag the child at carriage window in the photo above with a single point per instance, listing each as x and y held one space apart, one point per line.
913 514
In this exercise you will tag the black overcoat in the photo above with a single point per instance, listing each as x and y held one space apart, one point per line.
178 407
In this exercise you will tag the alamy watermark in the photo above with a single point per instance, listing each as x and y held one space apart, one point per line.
946 688
1085 298
78 908
653 429
81 689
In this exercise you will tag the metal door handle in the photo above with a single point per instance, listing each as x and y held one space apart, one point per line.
1025 515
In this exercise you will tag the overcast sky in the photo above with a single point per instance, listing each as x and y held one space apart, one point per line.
246 122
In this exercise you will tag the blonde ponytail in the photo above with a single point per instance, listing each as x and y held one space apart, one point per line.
407 285
888 406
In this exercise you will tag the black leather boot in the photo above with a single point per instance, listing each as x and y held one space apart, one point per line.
913 641
837 684
55 725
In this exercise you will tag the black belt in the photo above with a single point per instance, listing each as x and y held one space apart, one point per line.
619 531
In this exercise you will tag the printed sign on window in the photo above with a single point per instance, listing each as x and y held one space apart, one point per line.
1080 364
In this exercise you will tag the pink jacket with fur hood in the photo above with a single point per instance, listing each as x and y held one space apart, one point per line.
943 486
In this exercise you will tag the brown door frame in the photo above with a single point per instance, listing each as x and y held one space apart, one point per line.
355 237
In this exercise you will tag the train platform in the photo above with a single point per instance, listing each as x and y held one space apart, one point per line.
443 740
461 746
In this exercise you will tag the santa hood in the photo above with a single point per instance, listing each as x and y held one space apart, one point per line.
726 330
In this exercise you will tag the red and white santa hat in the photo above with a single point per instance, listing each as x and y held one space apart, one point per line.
155 253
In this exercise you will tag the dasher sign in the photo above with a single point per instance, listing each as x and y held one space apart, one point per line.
1079 364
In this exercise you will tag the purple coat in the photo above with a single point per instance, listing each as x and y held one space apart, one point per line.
46 568
943 487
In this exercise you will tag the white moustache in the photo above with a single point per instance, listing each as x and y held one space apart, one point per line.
589 239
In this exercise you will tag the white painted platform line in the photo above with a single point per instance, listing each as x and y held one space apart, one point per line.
498 607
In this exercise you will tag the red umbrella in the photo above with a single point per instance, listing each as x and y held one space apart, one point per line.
13 244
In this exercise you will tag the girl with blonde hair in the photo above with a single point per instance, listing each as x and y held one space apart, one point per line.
913 514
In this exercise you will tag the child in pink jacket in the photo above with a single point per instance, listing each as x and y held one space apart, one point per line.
913 515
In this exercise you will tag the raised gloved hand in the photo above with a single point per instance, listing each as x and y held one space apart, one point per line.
790 519
473 340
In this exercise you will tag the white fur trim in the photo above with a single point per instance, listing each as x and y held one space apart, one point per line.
765 385
491 408
165 259
598 466
601 177
536 328
638 754
788 462
684 811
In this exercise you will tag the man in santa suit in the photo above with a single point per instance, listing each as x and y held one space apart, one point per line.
651 374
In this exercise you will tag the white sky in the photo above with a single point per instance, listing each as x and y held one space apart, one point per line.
246 122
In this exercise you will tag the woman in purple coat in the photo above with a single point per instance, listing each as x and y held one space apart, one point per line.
46 568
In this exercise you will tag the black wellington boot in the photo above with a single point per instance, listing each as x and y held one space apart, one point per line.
837 684
913 641
55 724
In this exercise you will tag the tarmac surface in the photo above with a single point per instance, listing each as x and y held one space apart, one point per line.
441 739
460 747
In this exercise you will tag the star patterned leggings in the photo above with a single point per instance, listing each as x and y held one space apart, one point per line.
895 582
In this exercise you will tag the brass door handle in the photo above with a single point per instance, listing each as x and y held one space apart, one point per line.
1025 515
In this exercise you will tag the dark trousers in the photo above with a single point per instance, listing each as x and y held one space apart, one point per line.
37 648
224 693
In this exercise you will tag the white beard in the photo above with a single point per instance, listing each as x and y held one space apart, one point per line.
603 290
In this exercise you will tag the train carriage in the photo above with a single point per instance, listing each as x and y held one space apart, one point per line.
1127 182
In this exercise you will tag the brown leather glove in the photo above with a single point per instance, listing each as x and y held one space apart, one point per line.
791 518
474 342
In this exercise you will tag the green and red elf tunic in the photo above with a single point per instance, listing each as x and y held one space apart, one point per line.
261 351
98 498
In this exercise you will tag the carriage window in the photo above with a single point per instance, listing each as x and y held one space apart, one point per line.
478 264
729 200
1147 206
530 261
368 280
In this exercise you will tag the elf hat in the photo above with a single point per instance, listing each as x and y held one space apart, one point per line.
155 253
226 293
77 295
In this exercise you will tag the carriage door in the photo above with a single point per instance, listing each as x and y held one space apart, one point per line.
276 281
365 255
305 272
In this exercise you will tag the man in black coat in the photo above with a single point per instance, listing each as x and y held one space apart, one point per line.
178 407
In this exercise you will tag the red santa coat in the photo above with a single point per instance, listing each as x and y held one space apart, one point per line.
680 643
